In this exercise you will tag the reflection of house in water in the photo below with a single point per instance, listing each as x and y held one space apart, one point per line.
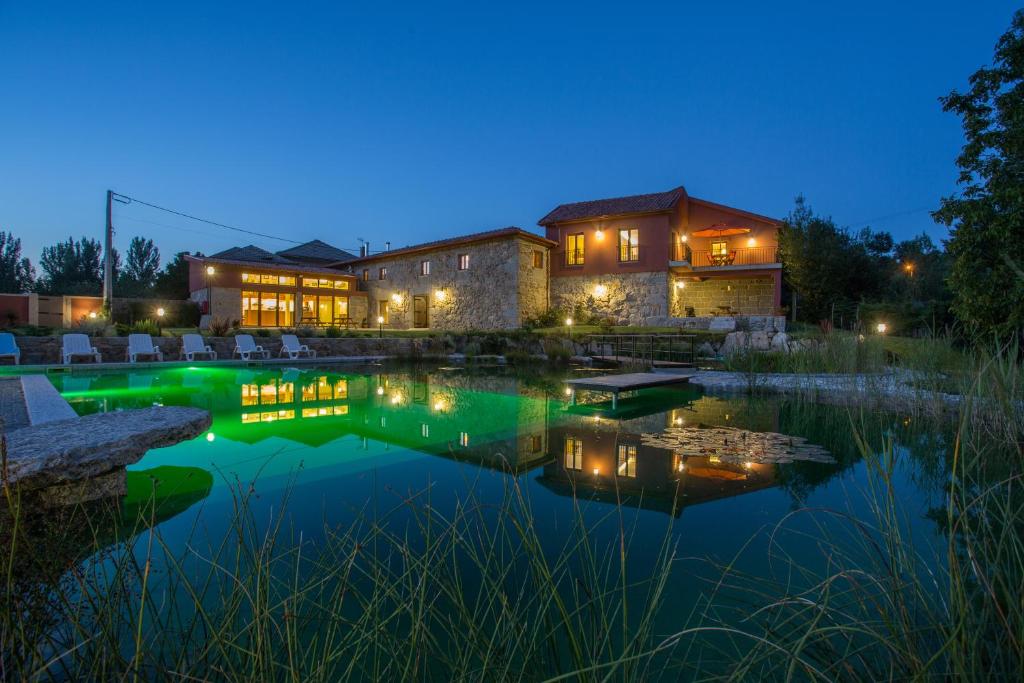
633 459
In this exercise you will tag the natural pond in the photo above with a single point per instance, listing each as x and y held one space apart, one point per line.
315 457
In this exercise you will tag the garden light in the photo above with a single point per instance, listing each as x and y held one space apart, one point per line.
881 328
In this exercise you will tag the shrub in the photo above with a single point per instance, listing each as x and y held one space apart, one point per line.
146 327
262 332
332 332
219 327
307 331
556 351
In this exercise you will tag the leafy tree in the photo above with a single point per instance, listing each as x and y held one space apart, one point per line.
987 217
74 267
172 282
141 267
16 273
829 269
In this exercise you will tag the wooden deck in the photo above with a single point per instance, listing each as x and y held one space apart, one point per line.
616 384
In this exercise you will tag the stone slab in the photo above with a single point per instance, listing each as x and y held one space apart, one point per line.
58 452
43 402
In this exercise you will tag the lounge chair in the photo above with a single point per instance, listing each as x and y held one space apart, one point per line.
142 345
290 345
9 347
78 345
247 348
193 345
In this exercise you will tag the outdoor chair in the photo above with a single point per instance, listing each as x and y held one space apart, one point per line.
290 345
247 348
142 345
193 345
78 345
9 347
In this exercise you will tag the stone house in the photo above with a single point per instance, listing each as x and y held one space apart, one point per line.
657 259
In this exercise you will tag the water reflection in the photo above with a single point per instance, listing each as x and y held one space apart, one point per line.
664 450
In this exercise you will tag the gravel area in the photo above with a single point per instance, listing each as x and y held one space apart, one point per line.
12 404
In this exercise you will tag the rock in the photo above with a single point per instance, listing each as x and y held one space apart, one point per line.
722 324
706 350
56 453
780 342
735 342
759 340
582 360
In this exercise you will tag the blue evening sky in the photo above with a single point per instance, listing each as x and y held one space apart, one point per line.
409 123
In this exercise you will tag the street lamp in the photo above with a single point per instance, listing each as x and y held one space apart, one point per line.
380 327
160 312
881 328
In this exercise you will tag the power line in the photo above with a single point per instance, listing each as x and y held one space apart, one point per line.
205 220
891 215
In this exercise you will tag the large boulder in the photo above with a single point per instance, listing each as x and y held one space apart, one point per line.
780 342
760 340
735 342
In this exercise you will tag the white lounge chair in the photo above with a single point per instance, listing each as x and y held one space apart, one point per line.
9 347
78 345
247 348
193 345
290 345
142 345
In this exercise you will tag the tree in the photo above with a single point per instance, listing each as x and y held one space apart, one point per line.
16 273
74 267
987 217
172 282
141 267
829 269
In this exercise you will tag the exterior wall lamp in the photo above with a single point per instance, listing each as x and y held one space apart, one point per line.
210 270
599 234
440 295
397 299
600 291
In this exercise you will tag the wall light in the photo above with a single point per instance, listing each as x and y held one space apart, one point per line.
881 328
210 270
599 234
751 242
680 284
600 290
684 238
597 471
92 314
440 295
161 311
397 299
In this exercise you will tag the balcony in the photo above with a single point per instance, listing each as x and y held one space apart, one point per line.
744 257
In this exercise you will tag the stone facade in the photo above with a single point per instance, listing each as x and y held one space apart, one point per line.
744 296
626 298
500 287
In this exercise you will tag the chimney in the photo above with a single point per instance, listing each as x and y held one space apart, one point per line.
367 245
387 246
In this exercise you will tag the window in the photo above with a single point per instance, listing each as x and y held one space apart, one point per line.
629 245
268 309
573 453
366 274
424 267
341 284
720 248
324 309
538 258
286 280
384 311
310 283
627 460
463 261
382 273
268 279
574 250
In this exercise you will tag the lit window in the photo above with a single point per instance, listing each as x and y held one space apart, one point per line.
629 245
325 284
424 267
627 460
268 279
286 280
310 283
366 274
573 453
538 258
463 261
382 274
719 248
574 250
341 284
246 278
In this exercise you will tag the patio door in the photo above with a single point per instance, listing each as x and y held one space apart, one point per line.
420 317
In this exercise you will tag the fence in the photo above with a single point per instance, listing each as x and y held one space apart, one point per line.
652 349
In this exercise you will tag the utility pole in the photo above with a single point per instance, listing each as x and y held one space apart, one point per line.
108 262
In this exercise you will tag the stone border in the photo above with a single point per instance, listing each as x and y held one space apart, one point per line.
43 402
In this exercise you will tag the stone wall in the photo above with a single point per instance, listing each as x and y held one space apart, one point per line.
626 298
745 296
500 287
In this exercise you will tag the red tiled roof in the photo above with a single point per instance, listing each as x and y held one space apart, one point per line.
638 203
510 231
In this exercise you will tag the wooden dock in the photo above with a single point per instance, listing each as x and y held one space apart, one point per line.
616 384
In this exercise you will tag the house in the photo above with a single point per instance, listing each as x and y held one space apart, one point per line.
654 259
292 287
485 280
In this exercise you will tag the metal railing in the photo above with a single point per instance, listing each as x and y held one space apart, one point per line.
652 349
745 256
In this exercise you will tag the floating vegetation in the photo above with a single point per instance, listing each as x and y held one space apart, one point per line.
737 446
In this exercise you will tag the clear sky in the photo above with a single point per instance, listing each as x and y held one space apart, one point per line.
408 123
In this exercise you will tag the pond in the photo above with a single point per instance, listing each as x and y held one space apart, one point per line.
335 447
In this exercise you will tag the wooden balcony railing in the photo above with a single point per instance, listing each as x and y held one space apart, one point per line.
745 256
